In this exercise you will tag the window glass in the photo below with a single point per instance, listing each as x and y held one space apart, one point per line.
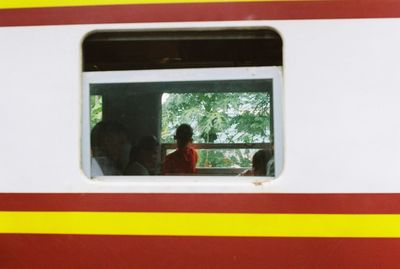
235 125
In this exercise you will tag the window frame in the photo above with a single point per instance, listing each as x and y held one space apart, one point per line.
273 73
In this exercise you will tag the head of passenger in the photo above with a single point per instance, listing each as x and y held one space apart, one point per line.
184 135
143 157
260 161
110 146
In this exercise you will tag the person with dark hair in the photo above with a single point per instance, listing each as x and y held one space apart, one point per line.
259 163
184 159
143 157
110 147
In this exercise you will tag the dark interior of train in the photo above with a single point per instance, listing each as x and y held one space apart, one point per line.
231 120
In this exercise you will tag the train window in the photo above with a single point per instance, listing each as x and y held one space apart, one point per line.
212 97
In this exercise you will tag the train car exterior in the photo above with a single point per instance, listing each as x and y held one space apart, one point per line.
334 204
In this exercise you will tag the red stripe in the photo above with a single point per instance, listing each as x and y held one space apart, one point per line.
201 12
230 203
66 251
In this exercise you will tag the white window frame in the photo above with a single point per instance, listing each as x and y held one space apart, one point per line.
183 75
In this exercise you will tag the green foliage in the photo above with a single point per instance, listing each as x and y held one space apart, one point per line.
96 109
219 118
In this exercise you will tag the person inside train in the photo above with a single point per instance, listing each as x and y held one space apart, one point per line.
143 157
260 163
110 148
184 159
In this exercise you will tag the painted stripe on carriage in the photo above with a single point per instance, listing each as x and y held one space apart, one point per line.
261 203
21 251
11 4
202 224
216 11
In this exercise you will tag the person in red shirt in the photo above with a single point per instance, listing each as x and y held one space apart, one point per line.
184 159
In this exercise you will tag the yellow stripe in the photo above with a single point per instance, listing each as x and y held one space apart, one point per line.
67 3
201 224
